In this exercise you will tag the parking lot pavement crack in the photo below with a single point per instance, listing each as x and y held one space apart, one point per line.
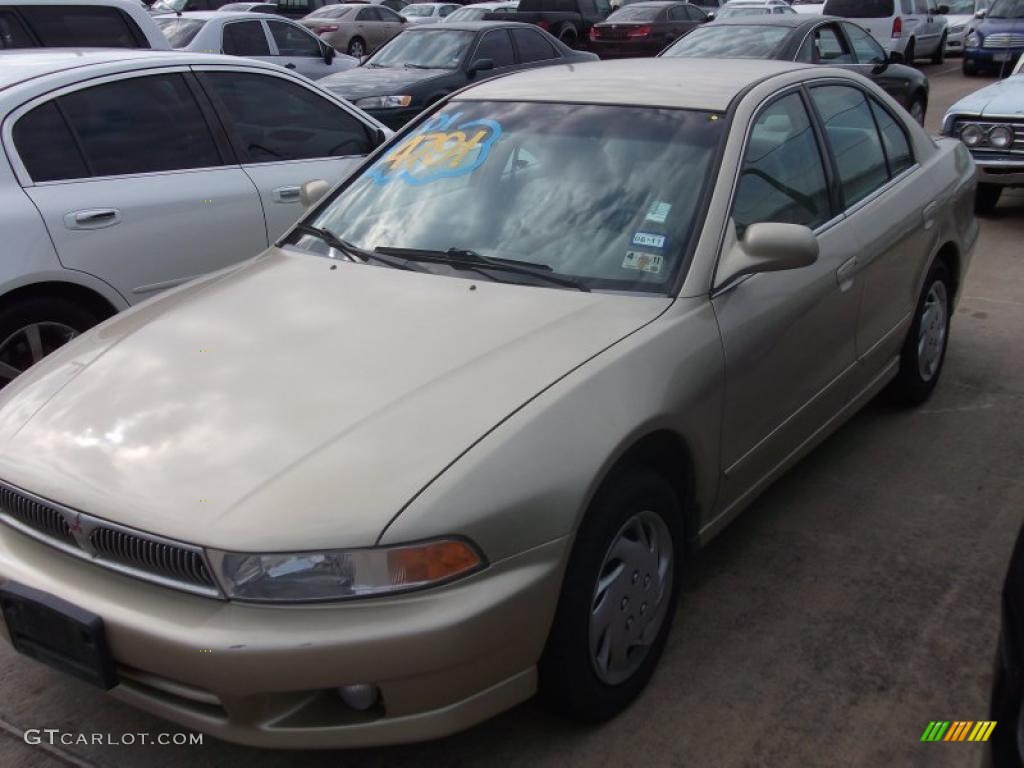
18 734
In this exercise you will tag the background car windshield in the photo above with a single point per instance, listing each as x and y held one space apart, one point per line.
180 32
961 7
635 14
740 42
169 5
468 14
606 194
1007 9
859 9
418 10
331 12
429 49
728 13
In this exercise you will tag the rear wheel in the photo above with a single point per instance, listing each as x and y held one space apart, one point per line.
30 329
924 350
568 36
618 598
940 53
987 197
910 52
356 47
917 109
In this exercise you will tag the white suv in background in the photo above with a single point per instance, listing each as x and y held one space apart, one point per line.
123 173
910 29
78 24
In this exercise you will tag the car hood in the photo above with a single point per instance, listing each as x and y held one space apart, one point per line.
383 81
1002 98
958 19
293 402
988 26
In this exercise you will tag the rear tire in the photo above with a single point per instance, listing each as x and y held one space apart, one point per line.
909 53
924 350
32 328
568 36
987 197
618 598
356 47
939 56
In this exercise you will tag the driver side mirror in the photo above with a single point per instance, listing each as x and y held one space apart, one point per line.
328 54
480 65
711 16
312 191
768 247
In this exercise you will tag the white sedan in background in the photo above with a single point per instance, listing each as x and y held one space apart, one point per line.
428 13
254 35
181 164
477 11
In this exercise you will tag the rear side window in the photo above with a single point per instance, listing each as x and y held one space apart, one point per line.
245 38
495 45
854 139
864 45
46 146
533 46
292 41
141 125
274 119
83 26
783 178
859 9
894 140
13 33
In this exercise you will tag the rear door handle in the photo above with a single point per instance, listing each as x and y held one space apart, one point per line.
93 218
846 273
287 194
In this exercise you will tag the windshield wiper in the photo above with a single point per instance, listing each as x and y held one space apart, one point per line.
417 66
352 252
463 258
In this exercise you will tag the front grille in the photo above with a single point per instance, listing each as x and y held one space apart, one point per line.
35 515
1004 40
135 553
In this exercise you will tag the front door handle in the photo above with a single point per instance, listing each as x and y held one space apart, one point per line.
289 66
929 214
287 194
92 218
846 273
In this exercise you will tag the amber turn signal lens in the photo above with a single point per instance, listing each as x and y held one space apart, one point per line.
431 562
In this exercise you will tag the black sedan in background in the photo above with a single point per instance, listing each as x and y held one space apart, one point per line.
427 62
644 29
1006 746
813 39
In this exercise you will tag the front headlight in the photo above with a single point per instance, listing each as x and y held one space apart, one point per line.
958 29
1000 137
972 40
342 574
971 135
384 102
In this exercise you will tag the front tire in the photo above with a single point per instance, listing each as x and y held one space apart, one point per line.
618 598
568 36
32 328
987 197
924 350
356 47
939 56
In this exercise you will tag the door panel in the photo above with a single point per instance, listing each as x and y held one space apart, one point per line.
788 336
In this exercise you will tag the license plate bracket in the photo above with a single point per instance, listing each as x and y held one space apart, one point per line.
1004 56
57 633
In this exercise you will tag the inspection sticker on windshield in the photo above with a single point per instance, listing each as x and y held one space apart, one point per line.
658 212
441 148
648 240
644 262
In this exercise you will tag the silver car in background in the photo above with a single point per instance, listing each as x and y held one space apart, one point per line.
256 36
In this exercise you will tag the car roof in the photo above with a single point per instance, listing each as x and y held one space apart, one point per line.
19 65
706 84
775 20
653 4
467 26
212 15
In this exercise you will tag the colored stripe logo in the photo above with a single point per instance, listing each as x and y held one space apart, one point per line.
958 730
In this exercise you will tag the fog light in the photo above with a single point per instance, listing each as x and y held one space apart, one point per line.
359 697
1000 137
971 135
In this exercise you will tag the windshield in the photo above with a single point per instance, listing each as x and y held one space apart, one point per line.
467 14
961 7
418 10
180 32
427 49
859 9
610 196
728 13
1007 9
168 5
632 13
736 42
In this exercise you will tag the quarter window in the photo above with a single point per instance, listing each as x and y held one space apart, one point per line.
245 38
495 45
274 119
782 178
292 41
532 46
46 146
894 140
13 33
853 138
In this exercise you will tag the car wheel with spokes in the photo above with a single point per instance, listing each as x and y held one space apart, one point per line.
357 48
918 109
31 329
924 350
618 598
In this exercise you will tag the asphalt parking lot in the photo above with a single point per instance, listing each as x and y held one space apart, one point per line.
853 603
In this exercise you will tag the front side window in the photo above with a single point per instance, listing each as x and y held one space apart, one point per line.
292 41
83 26
782 178
533 46
427 49
245 38
854 140
865 48
274 119
730 41
496 46
180 31
830 47
610 196
921 7
13 33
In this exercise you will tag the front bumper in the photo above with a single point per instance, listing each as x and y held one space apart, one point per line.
1005 171
955 41
1003 58
443 659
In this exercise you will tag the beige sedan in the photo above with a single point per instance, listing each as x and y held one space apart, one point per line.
450 442
355 29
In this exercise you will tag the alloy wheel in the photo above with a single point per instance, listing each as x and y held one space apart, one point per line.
30 344
931 336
